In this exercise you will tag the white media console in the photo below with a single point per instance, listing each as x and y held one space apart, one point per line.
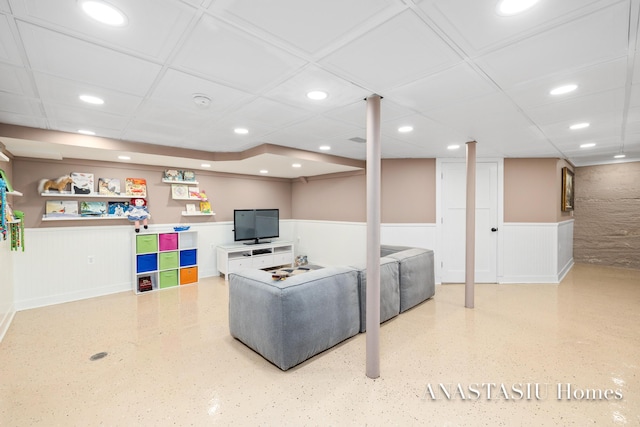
236 257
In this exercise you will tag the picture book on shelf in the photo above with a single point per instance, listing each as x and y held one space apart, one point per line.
194 192
205 207
61 208
90 208
172 175
109 186
82 183
179 191
136 187
4 177
117 209
191 208
188 176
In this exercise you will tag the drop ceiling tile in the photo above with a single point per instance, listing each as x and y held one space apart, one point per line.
4 6
392 54
167 114
476 25
294 90
154 26
269 113
15 80
595 38
55 90
425 132
308 26
591 80
73 59
587 108
178 88
12 103
447 87
84 118
320 127
9 51
221 53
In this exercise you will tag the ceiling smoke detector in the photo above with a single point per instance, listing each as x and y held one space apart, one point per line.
201 100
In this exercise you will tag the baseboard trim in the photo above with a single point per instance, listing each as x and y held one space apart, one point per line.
6 322
72 296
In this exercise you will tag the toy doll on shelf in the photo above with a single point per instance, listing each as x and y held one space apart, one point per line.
137 212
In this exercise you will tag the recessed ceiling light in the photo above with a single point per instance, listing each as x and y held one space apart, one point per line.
86 132
561 90
104 12
579 126
317 95
619 156
324 148
296 165
588 145
513 7
453 147
90 99
405 129
124 157
205 165
263 171
241 131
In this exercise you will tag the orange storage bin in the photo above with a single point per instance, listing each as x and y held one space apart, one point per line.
188 275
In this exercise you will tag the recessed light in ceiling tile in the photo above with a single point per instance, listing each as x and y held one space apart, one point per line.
453 147
561 90
588 145
296 165
579 126
513 7
86 132
205 165
104 12
317 95
264 171
90 99
241 131
619 156
405 129
124 157
324 148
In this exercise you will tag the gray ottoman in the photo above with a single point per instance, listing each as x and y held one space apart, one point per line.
389 291
291 320
417 275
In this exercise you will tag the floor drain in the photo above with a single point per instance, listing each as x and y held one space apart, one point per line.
98 356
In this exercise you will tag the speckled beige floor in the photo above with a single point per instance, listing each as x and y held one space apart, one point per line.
171 361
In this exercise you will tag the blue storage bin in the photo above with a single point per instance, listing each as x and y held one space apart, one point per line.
146 262
188 257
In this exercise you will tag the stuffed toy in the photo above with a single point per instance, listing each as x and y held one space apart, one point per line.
137 212
56 184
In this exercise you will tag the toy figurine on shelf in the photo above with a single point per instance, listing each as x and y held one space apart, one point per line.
137 212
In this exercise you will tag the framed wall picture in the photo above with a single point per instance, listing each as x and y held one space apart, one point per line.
567 189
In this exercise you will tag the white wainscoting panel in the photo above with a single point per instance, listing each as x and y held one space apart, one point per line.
7 308
530 253
565 248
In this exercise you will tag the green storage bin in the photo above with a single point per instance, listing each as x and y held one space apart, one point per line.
168 278
146 243
168 260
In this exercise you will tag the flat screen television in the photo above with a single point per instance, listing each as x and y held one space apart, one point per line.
255 224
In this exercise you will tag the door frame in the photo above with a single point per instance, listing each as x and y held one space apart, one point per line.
440 240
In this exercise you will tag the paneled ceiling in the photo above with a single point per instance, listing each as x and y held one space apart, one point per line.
454 70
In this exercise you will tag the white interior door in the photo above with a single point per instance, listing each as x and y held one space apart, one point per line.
453 221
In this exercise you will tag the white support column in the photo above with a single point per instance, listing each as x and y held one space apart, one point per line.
373 236
470 253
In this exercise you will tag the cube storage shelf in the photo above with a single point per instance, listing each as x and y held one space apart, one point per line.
165 260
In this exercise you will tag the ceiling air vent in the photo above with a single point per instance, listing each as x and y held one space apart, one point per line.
358 140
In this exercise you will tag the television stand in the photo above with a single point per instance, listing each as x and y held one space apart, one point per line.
236 257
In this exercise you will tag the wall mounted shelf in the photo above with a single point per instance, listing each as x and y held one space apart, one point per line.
81 218
103 196
169 181
185 213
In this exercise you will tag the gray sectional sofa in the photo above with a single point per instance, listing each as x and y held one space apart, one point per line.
289 321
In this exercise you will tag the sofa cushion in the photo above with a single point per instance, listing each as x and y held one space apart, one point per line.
417 276
291 320
389 291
